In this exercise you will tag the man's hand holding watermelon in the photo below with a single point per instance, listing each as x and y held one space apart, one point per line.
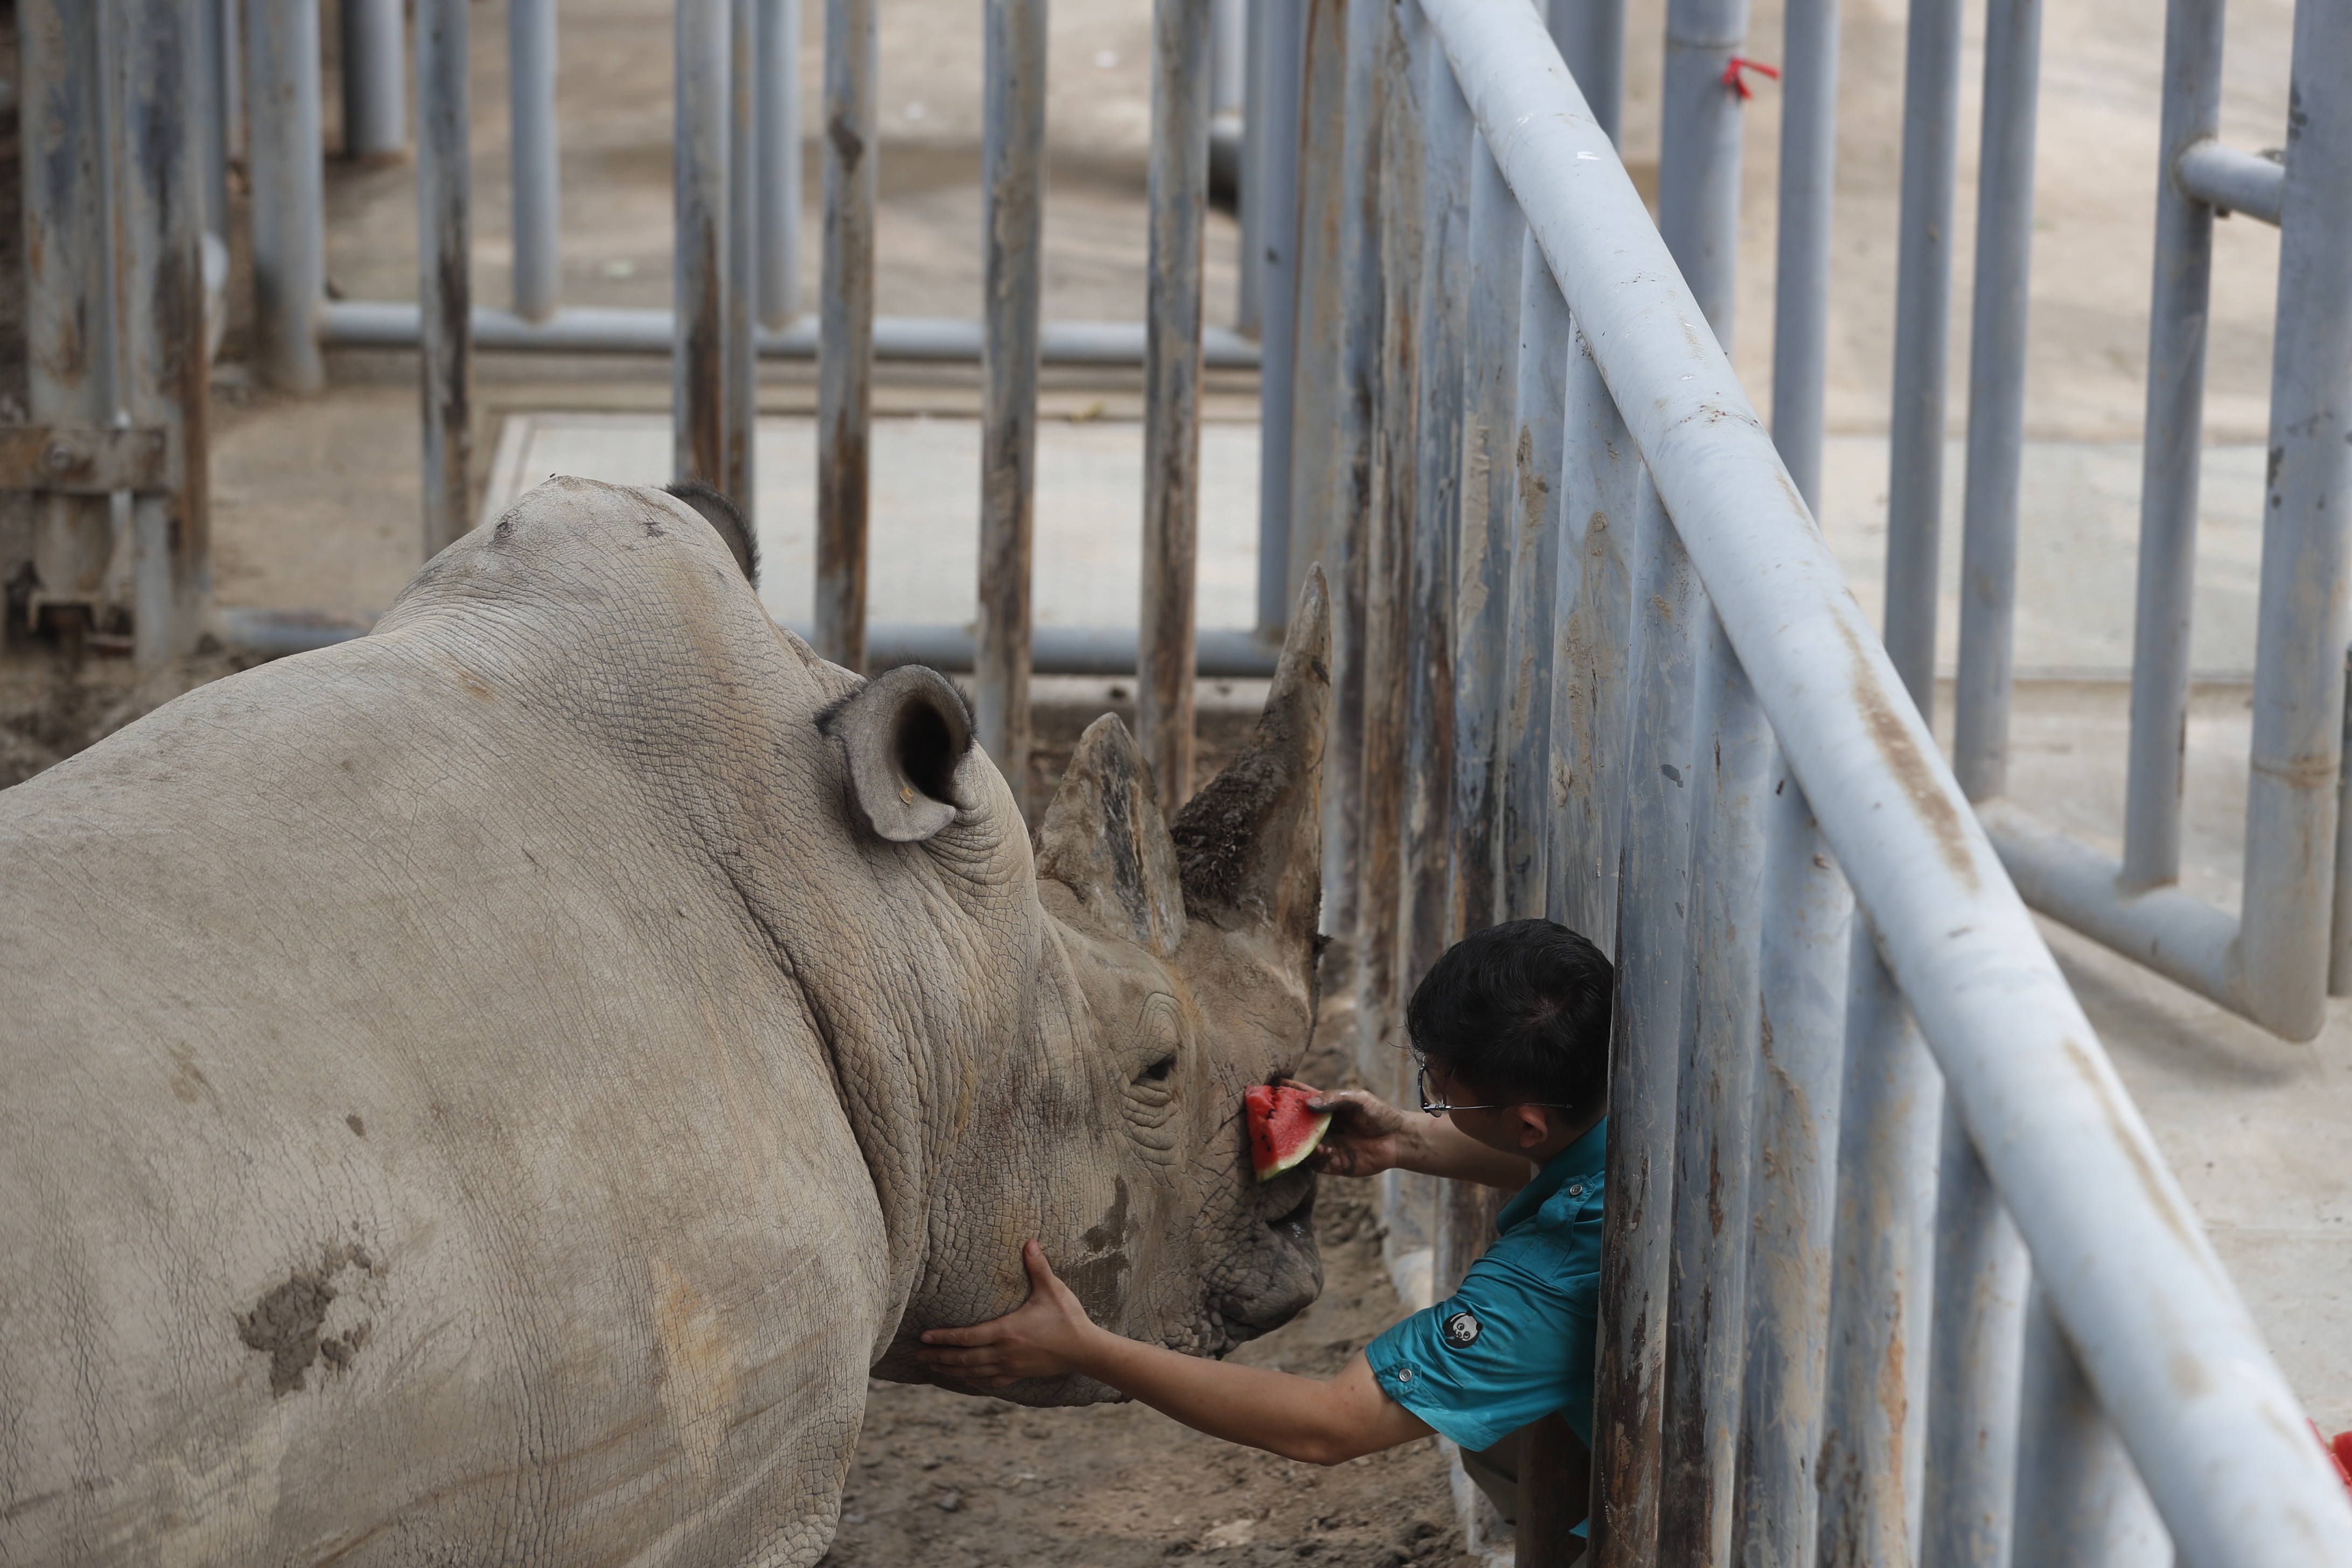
1511 1027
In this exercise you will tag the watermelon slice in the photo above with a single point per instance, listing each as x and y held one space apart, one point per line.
1282 1131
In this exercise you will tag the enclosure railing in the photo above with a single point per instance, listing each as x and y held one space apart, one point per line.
1893 1270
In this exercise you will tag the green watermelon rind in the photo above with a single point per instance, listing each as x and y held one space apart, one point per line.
1322 1126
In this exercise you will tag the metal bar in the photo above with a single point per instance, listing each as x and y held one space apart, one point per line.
1923 340
536 157
215 37
1441 317
1981 1280
1256 17
779 160
374 93
1715 1117
698 318
1536 458
1653 959
739 353
2339 960
593 330
1698 153
2079 1502
1271 255
1311 446
1179 197
1872 1409
1996 449
84 459
2304 612
2226 180
2174 438
445 268
1484 608
1801 277
1601 480
1013 180
846 367
69 315
1591 38
2166 1344
1806 946
287 182
159 308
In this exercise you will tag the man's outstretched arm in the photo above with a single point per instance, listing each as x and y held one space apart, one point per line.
1317 1421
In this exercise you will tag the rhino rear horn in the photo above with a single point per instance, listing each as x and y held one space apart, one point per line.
1250 845
908 736
1104 839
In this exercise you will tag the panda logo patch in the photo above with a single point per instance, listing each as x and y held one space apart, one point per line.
1461 1330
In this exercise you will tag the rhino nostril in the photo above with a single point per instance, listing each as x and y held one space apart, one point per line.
1295 1222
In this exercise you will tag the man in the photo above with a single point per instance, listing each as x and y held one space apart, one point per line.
1511 1029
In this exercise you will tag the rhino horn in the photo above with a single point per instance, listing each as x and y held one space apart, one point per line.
1104 839
1249 846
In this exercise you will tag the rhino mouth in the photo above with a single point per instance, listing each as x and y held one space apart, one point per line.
1282 1277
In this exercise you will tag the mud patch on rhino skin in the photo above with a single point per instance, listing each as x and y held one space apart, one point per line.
284 1324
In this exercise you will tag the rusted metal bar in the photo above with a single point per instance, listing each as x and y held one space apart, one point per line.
1981 1279
83 460
1318 532
780 160
1483 607
1653 970
1532 650
1179 196
375 117
699 321
445 287
740 350
536 158
1271 255
1602 490
1872 1406
1806 943
844 400
1715 1117
1698 152
284 162
1013 180
164 369
2080 1504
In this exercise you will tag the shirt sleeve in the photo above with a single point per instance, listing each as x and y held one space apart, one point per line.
1512 1345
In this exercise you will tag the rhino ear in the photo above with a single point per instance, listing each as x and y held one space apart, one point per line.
1250 845
908 738
1104 839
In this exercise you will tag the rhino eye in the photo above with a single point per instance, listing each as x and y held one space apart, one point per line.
1158 1071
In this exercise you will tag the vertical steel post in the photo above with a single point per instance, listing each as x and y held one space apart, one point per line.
1013 180
374 95
1996 449
1484 607
698 360
2307 584
1981 1279
1272 256
535 156
215 37
282 156
1807 942
70 353
1532 652
1653 962
1872 1410
1601 483
1698 153
445 291
844 397
1318 316
1715 1116
1591 38
1923 334
2080 1503
779 160
158 311
1249 317
741 352
1801 281
1179 197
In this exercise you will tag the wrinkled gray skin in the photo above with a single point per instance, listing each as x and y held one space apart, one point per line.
491 1092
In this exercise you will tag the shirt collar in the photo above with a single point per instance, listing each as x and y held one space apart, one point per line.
1584 1158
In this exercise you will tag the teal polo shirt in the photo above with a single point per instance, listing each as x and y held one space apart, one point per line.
1515 1342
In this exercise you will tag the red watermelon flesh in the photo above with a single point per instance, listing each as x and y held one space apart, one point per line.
1282 1131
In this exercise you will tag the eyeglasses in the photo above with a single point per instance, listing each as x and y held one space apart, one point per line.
1438 1108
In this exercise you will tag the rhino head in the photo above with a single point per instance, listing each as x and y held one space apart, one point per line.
1170 966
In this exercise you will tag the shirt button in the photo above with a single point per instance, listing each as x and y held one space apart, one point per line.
1405 1374
1576 1191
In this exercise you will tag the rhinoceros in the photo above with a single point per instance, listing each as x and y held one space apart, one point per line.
494 1091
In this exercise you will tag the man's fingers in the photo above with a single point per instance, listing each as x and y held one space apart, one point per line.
978 1334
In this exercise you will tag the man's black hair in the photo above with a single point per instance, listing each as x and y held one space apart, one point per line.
1519 1012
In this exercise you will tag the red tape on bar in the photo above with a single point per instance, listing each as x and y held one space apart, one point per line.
1738 83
